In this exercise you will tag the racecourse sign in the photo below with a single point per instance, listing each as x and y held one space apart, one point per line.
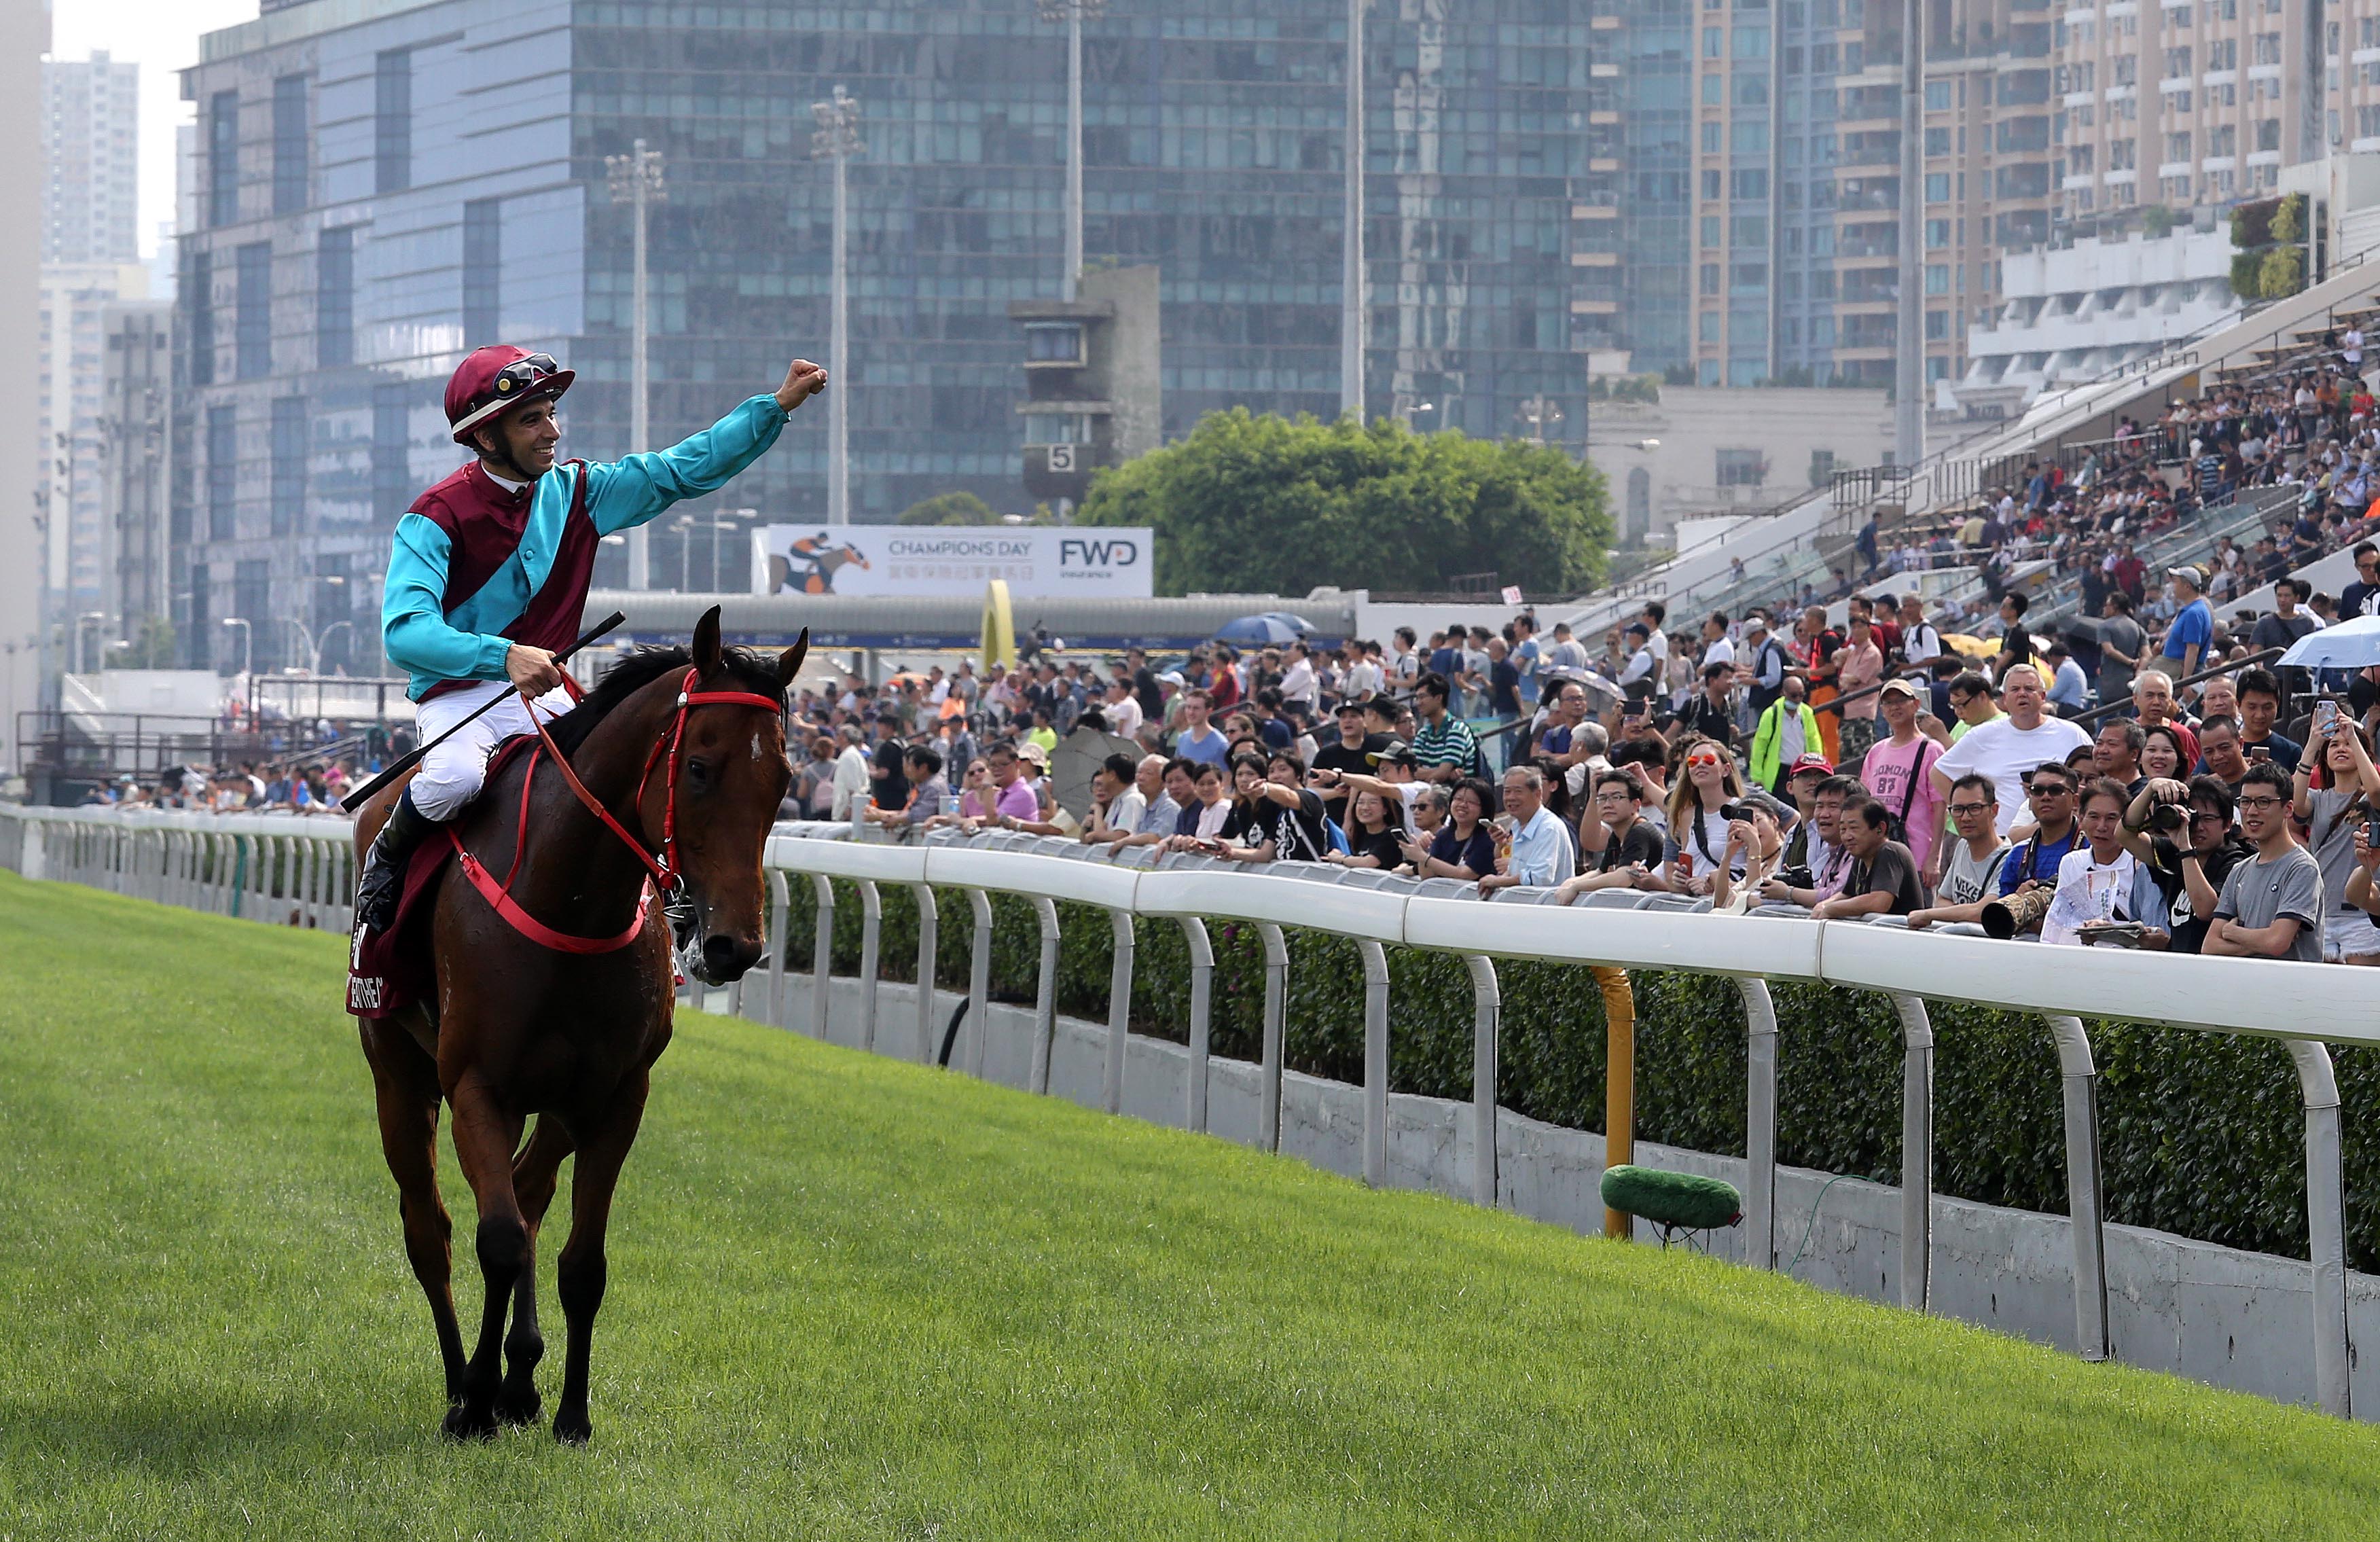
1035 561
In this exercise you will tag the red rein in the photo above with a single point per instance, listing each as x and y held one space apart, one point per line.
665 876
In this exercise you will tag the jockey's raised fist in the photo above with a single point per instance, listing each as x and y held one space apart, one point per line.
803 380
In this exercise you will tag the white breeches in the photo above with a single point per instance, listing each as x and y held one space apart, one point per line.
452 773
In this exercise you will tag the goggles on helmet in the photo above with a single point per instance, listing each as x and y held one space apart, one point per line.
522 373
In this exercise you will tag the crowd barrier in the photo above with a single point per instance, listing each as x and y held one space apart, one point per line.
286 869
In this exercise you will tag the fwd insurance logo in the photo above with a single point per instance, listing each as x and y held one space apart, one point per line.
1077 553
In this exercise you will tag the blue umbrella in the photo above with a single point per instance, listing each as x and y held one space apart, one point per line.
2349 645
1269 630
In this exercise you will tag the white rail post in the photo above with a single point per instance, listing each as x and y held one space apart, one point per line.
1202 1005
979 978
822 962
2085 1201
1376 1062
872 943
1759 1124
1118 1011
1276 1008
1045 993
2325 1227
781 894
1916 1151
929 928
1487 1025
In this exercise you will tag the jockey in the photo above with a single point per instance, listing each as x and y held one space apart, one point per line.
491 570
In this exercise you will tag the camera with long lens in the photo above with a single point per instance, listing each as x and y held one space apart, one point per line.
2169 819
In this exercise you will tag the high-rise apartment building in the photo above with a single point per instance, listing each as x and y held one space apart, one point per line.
136 405
378 185
91 119
1796 249
2202 101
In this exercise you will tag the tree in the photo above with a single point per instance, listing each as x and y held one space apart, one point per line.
1265 504
152 649
950 509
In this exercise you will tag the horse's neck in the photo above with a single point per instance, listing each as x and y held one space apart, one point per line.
609 763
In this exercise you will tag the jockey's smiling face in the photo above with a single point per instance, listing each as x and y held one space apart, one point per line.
524 438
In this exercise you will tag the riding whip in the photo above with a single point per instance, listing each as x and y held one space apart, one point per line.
411 757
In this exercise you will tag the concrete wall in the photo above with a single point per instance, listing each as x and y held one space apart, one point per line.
2230 1318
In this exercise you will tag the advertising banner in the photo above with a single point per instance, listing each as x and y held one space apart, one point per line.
954 560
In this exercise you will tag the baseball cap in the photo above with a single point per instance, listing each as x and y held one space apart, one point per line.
1028 750
1351 704
1819 763
1396 751
2191 571
1898 686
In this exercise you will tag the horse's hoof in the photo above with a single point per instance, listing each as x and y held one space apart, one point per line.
572 1428
518 1408
463 1424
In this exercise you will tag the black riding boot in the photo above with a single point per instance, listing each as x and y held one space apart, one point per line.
383 876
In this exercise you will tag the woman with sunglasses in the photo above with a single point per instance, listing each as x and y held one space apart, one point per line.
489 571
1699 798
1463 847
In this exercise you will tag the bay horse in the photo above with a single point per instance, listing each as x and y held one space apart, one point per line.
681 757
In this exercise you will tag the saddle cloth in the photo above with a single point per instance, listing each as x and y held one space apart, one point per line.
391 970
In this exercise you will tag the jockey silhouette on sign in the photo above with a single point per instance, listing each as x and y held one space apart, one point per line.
810 564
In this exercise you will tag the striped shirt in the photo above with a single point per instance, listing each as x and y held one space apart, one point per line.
1447 742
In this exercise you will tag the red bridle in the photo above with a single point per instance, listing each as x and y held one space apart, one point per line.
666 878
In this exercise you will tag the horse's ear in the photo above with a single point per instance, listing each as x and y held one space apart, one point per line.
706 641
789 662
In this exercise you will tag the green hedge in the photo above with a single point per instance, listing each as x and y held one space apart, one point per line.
2200 1133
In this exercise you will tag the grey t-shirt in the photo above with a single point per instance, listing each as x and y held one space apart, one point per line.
1965 880
2260 892
2331 834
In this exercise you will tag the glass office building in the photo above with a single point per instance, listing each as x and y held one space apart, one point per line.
386 183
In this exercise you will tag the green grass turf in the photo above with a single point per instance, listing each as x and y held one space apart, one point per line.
856 1298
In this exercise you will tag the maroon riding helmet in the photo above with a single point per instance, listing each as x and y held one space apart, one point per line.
496 379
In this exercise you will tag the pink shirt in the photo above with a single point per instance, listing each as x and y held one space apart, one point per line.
1017 798
1857 668
1885 773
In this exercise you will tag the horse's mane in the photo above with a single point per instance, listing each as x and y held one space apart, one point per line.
747 669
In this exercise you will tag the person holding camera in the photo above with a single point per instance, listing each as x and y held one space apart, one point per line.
2183 835
2335 792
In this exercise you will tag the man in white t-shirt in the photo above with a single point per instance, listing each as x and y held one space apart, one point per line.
2008 748
1297 679
1717 647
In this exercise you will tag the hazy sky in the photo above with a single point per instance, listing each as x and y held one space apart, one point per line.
161 36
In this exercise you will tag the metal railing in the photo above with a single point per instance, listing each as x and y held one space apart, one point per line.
283 868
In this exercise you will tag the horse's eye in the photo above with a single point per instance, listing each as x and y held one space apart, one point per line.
697 773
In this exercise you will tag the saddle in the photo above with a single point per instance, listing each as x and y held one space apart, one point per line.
391 970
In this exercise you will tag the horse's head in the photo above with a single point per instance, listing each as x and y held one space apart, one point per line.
732 774
844 556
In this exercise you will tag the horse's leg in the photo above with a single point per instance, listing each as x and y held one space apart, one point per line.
533 1179
405 1081
485 1138
581 1276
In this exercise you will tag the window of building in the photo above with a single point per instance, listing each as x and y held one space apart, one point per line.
198 634
482 272
1938 235
251 598
291 184
223 158
1711 230
335 298
1053 342
1707 280
198 305
1937 278
252 321
391 482
223 473
1714 91
1714 184
1937 96
1750 183
1937 186
1712 144
1706 327
2268 134
392 121
1937 141
1750 230
1750 136
1057 428
1741 468
288 465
